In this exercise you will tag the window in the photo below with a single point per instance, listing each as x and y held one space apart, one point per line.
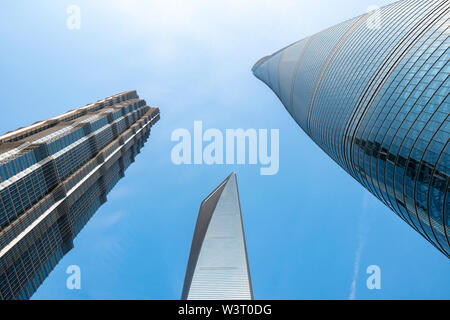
3 173
12 168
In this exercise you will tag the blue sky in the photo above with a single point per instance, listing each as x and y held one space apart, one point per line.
311 229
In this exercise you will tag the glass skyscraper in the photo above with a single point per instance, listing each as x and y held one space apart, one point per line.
54 175
218 264
373 93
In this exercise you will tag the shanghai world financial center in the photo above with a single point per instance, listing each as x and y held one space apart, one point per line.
371 92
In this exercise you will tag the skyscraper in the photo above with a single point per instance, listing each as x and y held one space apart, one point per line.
54 175
218 265
373 93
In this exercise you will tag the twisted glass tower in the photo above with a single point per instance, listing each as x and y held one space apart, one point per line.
218 264
373 93
54 175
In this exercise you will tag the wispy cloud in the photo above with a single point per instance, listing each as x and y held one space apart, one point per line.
108 219
121 191
363 229
220 28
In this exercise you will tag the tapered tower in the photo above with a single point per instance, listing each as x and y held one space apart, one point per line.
218 265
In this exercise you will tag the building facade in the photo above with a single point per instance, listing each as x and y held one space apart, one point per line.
373 93
54 175
218 265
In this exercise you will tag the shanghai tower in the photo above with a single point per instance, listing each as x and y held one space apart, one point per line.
373 93
54 175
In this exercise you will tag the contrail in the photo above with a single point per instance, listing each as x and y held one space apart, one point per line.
363 228
356 269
